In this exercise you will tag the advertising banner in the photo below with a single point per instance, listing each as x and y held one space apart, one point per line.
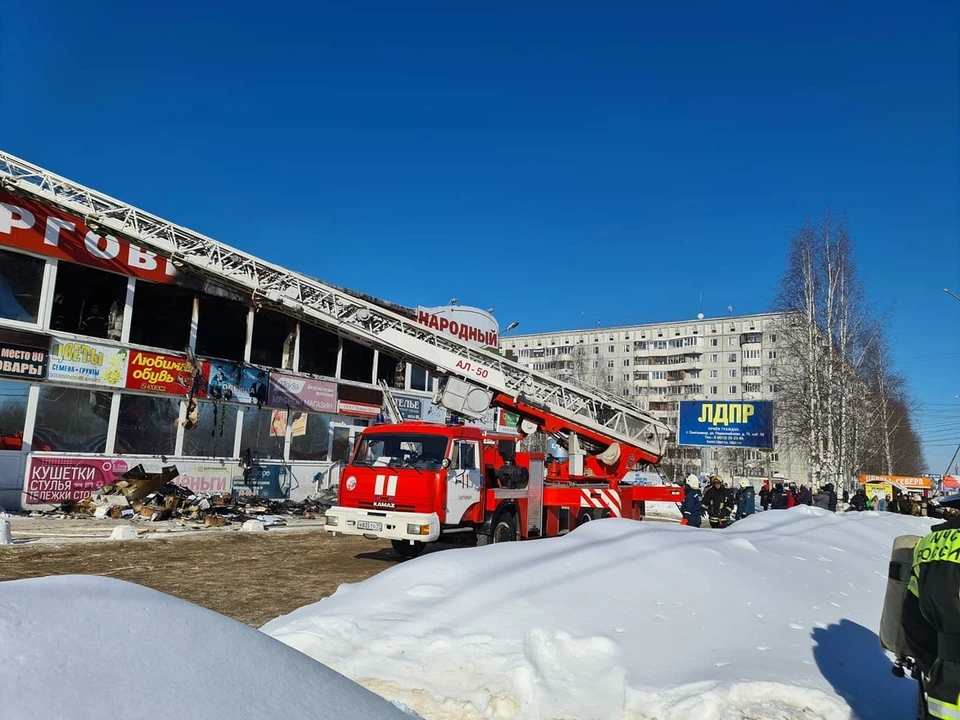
262 481
357 409
411 408
24 363
726 424
235 382
168 374
911 483
28 225
87 363
300 393
53 480
359 401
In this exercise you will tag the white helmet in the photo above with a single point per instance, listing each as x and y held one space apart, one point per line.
693 481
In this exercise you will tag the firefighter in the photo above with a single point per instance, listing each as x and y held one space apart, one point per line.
746 505
717 503
931 618
692 506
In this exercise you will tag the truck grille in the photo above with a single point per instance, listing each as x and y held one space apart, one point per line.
369 505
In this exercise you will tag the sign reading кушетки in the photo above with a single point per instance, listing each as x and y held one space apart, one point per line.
747 424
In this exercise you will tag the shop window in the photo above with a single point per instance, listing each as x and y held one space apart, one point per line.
147 425
357 363
161 316
214 432
71 420
387 368
318 351
221 328
13 413
263 432
419 378
311 437
88 301
273 338
21 281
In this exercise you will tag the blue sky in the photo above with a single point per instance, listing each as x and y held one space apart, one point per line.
611 161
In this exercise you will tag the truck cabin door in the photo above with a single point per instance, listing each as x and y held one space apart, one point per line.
463 479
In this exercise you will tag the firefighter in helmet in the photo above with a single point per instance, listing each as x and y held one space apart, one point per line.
931 618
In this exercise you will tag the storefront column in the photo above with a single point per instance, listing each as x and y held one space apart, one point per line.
128 311
248 346
33 399
339 356
112 424
194 323
296 349
376 362
46 294
178 447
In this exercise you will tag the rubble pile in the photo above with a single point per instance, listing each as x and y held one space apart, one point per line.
141 495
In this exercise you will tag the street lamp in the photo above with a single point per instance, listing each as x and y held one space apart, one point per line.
511 326
951 295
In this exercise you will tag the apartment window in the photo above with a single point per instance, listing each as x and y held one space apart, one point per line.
626 377
772 355
732 342
659 344
714 342
732 390
609 363
609 378
714 358
752 387
694 374
751 371
713 389
596 363
610 349
658 375
626 363
732 357
773 337
626 348
713 373
21 280
643 376
733 372
751 354
640 345
774 388
596 350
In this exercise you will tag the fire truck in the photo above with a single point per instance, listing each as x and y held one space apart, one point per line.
411 482
415 482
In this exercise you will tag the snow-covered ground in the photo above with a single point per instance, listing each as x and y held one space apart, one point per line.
774 617
88 648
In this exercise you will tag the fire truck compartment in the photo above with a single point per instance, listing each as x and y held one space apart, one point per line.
424 527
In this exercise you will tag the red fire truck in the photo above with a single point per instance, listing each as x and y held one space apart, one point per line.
415 482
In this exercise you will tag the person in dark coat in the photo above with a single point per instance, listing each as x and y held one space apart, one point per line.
778 497
745 498
821 499
806 497
692 506
765 495
717 503
832 504
858 502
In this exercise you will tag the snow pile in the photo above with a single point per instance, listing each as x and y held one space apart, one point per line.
774 617
124 532
87 648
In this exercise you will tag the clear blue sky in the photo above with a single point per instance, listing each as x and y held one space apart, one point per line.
614 160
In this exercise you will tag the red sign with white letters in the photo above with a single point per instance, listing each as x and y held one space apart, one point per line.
29 225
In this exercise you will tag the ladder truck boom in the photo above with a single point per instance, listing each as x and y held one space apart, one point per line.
476 378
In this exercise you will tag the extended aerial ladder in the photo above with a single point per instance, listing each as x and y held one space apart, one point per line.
475 378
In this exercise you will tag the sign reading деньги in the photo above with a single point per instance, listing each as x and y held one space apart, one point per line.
746 424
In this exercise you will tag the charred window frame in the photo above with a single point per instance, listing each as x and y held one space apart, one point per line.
72 420
356 363
214 433
21 287
147 425
273 339
318 351
311 436
258 433
221 328
388 370
161 316
13 413
87 301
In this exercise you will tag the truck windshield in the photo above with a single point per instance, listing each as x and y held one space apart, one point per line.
401 449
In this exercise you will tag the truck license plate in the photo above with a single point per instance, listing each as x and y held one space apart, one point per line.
367 525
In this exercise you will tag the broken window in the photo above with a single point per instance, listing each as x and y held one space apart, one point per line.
273 338
214 433
357 363
221 328
147 425
387 371
71 420
88 301
263 432
318 351
21 280
311 436
161 316
13 413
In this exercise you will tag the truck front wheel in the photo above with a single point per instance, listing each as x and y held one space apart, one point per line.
404 548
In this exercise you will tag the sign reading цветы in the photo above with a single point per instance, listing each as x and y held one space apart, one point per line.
726 424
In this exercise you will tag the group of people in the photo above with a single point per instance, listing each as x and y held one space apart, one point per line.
784 498
722 505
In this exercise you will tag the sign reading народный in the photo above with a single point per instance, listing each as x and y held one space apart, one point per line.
470 325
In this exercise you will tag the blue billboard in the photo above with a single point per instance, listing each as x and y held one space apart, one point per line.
746 424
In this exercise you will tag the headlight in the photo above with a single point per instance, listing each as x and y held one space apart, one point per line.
418 529
332 520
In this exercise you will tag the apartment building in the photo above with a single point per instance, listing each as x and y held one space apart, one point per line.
656 365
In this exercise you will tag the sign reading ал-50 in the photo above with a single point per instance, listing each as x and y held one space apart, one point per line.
726 424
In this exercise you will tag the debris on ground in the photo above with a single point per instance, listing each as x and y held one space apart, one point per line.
124 532
140 496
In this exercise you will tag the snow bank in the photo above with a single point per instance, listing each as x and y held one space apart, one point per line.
774 617
87 648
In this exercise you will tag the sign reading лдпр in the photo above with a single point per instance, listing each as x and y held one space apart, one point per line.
468 324
25 363
726 424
